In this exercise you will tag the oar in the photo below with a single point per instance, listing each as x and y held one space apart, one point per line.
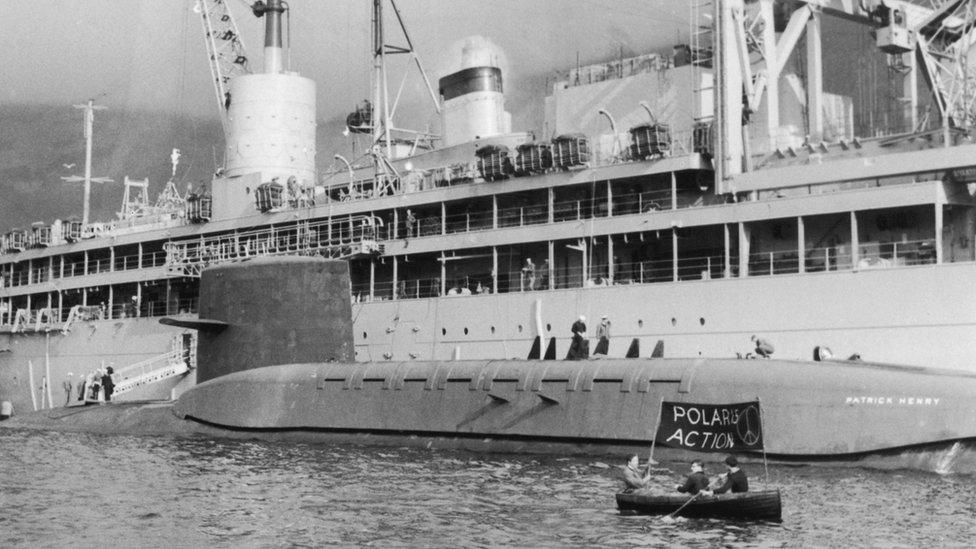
670 517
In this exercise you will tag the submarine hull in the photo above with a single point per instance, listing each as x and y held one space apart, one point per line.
810 410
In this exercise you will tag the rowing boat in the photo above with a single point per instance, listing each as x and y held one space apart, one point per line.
761 505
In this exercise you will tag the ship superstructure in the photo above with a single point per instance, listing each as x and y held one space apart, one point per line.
695 197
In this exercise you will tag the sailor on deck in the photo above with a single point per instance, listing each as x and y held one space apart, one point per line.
579 348
763 347
603 337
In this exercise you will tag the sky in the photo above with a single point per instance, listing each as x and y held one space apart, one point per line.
150 54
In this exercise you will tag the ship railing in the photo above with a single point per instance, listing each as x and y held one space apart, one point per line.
535 214
338 238
698 267
607 149
158 368
620 68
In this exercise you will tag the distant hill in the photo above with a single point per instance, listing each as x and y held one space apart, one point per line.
40 144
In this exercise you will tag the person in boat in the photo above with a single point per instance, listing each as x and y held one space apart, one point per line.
633 478
735 480
578 349
697 481
763 347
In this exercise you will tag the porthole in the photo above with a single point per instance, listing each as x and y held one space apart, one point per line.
640 323
701 321
443 331
465 330
674 321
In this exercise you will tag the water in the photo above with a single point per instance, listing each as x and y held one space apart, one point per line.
82 490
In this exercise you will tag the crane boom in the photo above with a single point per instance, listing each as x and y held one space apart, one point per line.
224 48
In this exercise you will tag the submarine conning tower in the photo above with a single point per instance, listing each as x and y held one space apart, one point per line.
270 126
272 310
473 99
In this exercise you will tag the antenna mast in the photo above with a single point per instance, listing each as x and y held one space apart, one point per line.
89 109
382 112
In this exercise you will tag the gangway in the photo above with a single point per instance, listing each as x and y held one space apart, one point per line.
158 368
345 238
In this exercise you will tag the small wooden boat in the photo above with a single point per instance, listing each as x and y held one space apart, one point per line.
761 505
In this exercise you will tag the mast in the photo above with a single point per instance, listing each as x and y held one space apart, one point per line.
382 114
380 96
89 109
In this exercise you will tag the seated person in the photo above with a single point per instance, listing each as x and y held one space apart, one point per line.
735 479
696 481
632 475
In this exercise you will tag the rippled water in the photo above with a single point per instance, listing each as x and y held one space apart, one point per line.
82 490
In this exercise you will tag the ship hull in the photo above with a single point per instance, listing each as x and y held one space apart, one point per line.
810 411
88 346
923 315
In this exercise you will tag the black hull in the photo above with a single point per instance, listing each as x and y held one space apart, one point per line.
762 505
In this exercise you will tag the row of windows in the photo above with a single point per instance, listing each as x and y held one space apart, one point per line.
640 324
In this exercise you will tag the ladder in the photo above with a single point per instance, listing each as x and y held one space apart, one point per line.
167 365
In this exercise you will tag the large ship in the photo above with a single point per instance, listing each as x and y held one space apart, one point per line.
696 198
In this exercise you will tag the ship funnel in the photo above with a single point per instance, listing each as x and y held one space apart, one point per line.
472 95
249 318
272 32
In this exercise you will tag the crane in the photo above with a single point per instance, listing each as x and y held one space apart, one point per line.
225 48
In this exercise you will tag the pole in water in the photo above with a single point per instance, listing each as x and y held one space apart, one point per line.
762 431
47 369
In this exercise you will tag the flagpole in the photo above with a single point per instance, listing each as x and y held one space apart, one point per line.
657 424
762 432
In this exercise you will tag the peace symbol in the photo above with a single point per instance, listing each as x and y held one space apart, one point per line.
749 426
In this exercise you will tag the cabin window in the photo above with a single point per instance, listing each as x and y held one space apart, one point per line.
701 321
674 321
640 322
443 331
465 330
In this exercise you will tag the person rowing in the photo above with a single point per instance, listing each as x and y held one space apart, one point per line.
697 481
735 480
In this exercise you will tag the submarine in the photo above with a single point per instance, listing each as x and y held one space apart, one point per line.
276 355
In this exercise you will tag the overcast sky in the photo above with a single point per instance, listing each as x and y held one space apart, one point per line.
150 53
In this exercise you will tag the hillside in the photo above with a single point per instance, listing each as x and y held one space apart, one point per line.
40 144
